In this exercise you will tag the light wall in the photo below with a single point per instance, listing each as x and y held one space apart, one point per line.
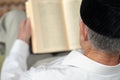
7 5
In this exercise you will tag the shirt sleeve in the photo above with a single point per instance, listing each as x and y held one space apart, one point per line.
16 63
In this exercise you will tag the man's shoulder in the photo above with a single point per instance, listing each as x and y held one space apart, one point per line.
57 59
51 62
49 70
52 69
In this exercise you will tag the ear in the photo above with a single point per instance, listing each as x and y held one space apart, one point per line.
83 31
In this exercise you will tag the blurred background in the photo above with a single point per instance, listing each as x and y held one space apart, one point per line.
5 7
8 5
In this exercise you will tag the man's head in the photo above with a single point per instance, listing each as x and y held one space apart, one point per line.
101 25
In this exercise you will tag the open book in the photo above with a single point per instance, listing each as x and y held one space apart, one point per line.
55 25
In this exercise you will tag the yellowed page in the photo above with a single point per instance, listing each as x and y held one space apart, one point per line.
72 20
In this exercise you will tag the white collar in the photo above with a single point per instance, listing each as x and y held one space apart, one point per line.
77 59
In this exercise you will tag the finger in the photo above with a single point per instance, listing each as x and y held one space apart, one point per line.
22 25
28 26
27 29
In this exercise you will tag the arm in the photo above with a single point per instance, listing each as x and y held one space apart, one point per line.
15 64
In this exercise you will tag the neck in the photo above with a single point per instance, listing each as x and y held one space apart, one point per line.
102 57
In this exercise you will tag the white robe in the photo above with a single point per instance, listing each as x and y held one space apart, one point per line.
74 66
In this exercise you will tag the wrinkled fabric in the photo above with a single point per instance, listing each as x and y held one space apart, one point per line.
74 66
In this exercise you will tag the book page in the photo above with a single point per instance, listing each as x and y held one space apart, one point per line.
30 14
72 20
55 25
49 29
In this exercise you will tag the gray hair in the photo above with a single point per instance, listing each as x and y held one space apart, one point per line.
104 43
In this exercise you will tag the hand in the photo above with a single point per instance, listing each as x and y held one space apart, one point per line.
25 31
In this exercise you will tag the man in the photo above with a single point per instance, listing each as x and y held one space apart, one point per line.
97 60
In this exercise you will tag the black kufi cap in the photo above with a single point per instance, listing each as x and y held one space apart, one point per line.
102 16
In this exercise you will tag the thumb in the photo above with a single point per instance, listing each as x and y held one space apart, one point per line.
28 26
